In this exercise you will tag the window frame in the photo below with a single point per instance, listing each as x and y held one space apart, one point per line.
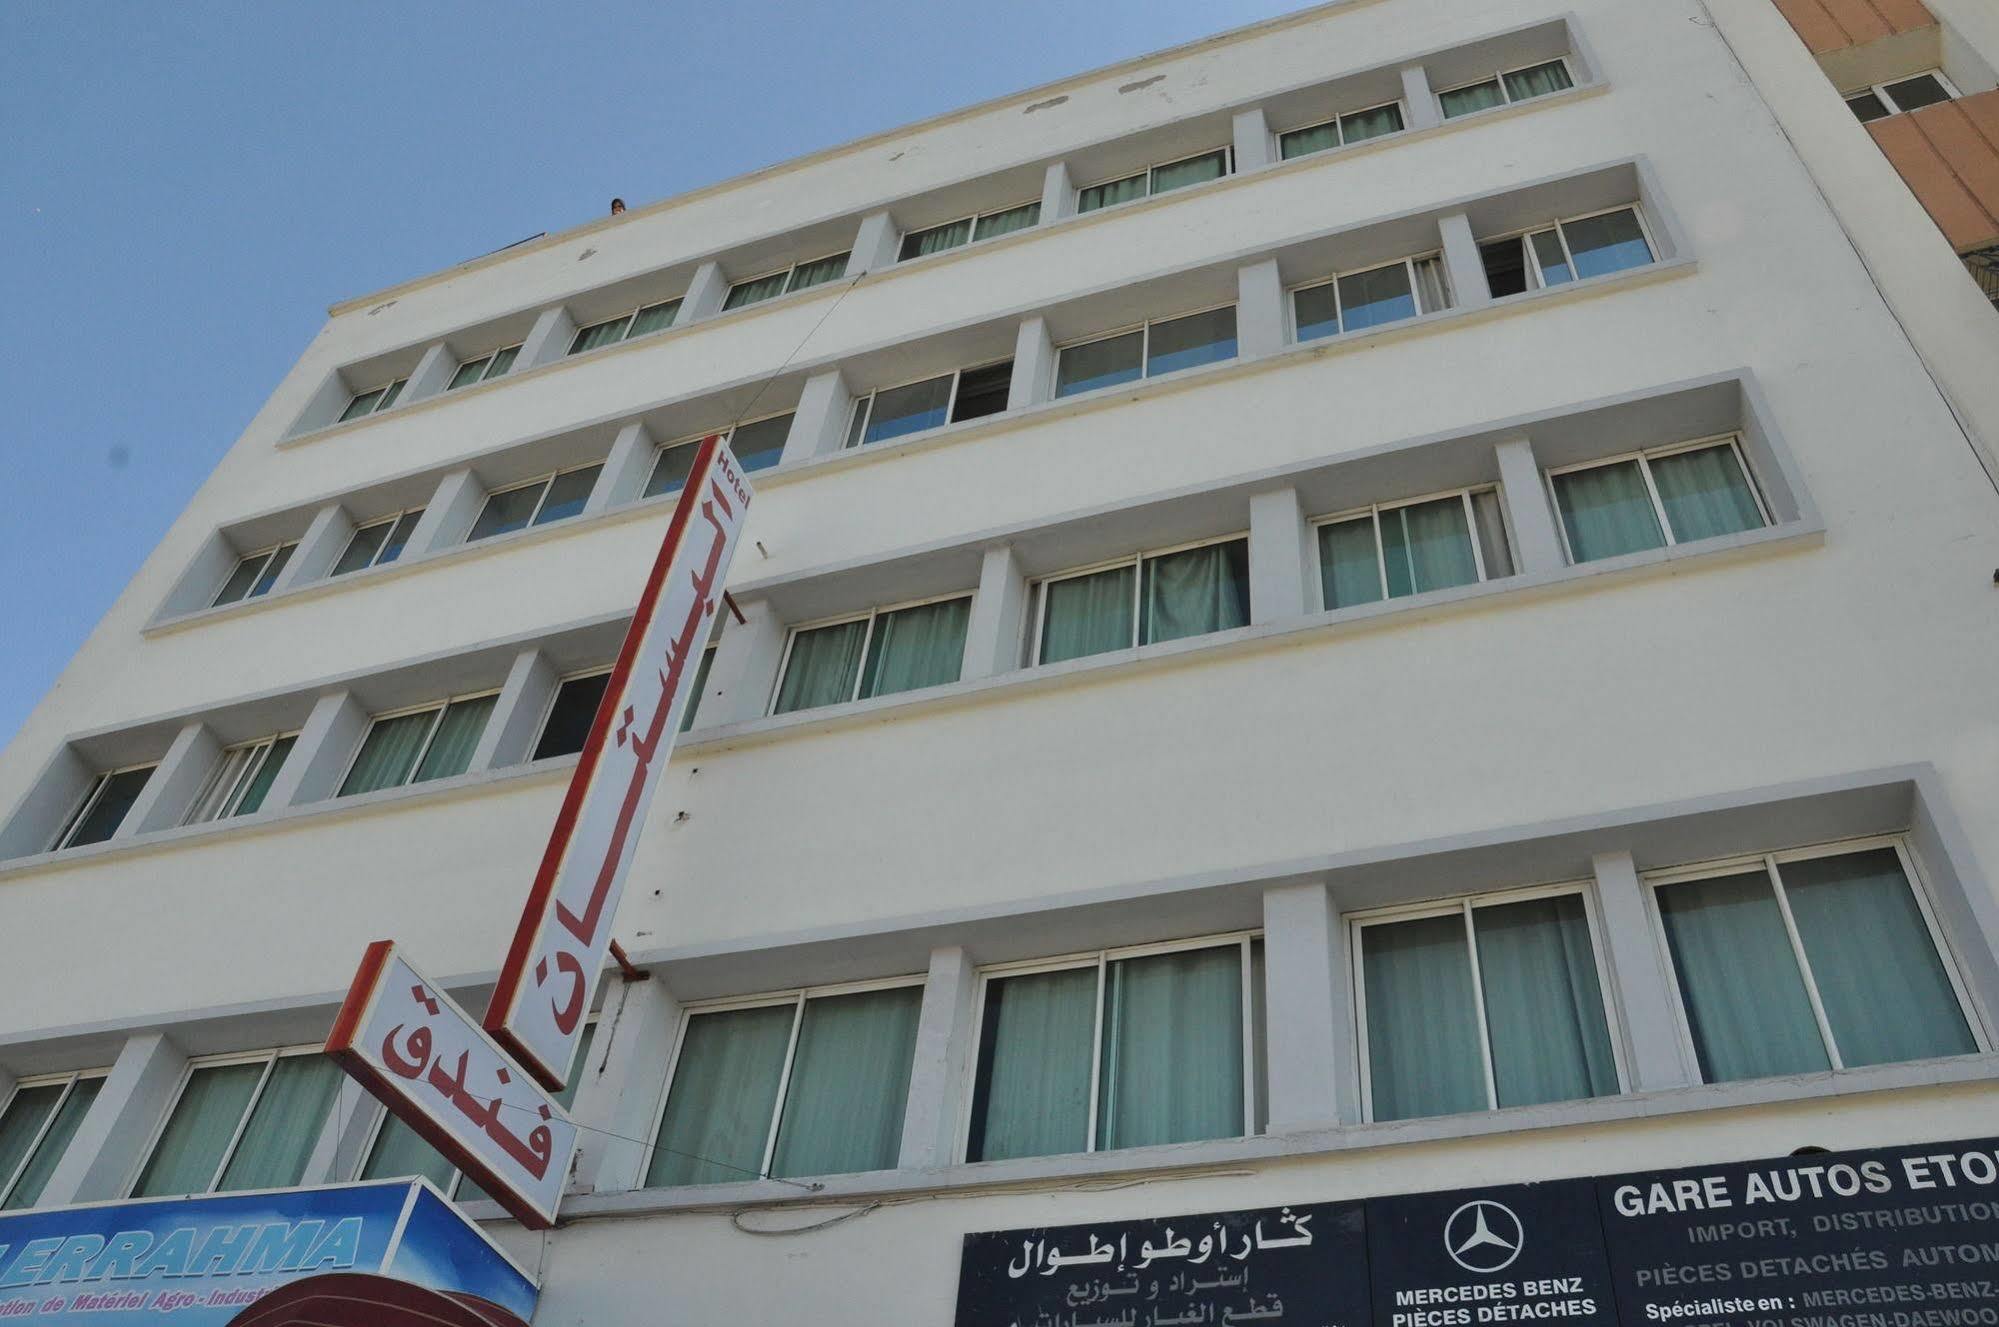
1408 266
391 393
1145 373
790 274
269 1057
1499 77
867 640
1136 561
69 1082
92 795
1732 440
1339 129
1101 959
796 998
1465 905
436 709
547 483
1374 510
624 332
260 751
1880 92
728 435
972 220
486 373
1150 171
1771 864
262 557
1535 280
861 413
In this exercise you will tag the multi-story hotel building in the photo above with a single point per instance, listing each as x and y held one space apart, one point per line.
1396 599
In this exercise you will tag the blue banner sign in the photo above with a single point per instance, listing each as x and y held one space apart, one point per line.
201 1260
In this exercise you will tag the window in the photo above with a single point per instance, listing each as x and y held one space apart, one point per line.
254 574
538 502
570 715
416 746
646 318
1482 1003
1522 84
802 277
1572 250
1826 958
36 1127
1355 127
1154 597
377 543
969 230
809 1083
484 369
241 780
103 808
917 406
242 1122
1126 1048
1161 346
874 654
1404 548
1908 94
373 401
758 445
1628 504
1368 299
1159 179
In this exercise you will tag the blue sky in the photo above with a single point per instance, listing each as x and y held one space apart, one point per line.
185 187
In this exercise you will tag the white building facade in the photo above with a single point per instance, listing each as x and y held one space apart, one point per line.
1396 599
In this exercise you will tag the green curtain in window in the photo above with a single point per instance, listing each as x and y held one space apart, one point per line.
1171 1061
285 1127
1349 570
652 318
1087 615
757 291
468 1191
818 272
1033 1092
1110 194
1880 980
400 1152
1422 1025
26 1113
1543 1005
1538 81
601 334
1194 170
916 647
1005 223
204 1120
1739 980
1477 97
822 666
1363 125
849 1083
469 372
936 240
388 753
34 1176
1705 493
1304 142
253 797
1195 592
724 1090
1427 546
1606 511
457 737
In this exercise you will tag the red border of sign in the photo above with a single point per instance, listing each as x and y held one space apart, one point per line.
540 897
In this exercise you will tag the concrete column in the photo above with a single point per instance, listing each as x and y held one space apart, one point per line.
620 1086
1419 104
943 1040
1058 193
1282 569
745 669
705 293
1312 1051
1469 289
196 588
318 548
999 616
319 759
516 718
625 470
1259 312
1537 546
1255 145
819 425
1033 365
55 794
105 1150
1641 991
548 340
325 405
432 373
876 246
448 517
175 782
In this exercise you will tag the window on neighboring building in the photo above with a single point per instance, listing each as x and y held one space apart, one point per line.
874 654
916 406
1125 1048
646 318
1482 1003
968 230
1572 250
1645 500
36 1127
254 574
377 543
1908 94
1143 600
241 780
1163 178
484 368
1391 550
373 401
1523 84
809 1083
757 445
242 1122
801 277
538 502
416 746
1353 127
1164 345
1370 298
1806 961
103 808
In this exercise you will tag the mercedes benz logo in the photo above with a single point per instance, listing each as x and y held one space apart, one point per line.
1483 1236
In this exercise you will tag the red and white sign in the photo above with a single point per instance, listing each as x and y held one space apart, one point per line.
401 1036
558 953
